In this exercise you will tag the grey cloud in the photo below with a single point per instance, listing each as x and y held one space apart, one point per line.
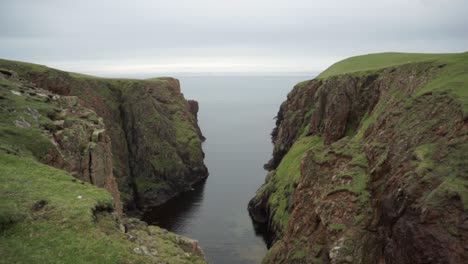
68 32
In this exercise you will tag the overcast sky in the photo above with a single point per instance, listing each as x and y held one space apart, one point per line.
127 38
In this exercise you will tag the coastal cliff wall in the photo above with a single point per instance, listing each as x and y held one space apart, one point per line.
369 164
59 150
156 142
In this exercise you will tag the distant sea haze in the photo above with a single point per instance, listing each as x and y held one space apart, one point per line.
306 75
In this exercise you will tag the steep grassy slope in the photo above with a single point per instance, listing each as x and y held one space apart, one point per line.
370 164
156 143
47 216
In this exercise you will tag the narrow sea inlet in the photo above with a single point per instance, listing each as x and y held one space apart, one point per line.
236 116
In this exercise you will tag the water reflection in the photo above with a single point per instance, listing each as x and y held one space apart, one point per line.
171 215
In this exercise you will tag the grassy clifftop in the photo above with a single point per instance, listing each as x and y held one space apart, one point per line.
369 164
452 77
372 62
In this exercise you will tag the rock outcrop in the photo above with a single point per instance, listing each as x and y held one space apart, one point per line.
370 165
156 142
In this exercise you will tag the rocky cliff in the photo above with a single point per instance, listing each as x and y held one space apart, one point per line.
156 142
370 164
79 124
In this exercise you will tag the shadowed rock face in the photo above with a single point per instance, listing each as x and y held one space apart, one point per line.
156 142
366 169
193 108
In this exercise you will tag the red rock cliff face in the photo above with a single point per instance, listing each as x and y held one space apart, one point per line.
385 179
156 142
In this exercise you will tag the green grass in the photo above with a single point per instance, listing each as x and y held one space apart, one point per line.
25 65
453 78
336 227
357 169
186 137
423 154
378 61
450 188
164 242
40 113
370 118
449 171
288 174
64 230
27 141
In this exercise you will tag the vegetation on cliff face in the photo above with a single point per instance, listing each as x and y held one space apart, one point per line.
388 180
59 215
156 142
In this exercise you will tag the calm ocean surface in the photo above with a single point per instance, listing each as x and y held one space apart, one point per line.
236 116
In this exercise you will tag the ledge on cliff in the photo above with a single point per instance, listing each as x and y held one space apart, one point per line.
369 164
